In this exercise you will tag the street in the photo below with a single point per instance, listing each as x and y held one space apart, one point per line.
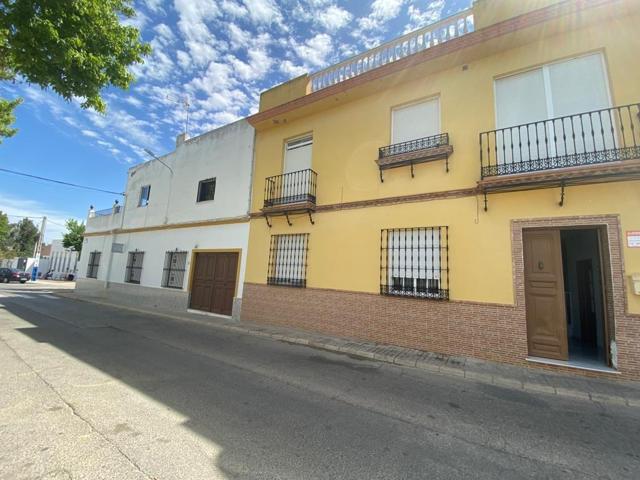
93 392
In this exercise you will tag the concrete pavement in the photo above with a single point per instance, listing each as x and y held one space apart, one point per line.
89 391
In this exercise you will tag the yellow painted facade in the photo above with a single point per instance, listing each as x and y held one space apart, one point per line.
348 129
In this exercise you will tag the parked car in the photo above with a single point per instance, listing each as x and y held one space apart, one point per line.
13 275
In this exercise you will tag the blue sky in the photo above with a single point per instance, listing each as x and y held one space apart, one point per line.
218 54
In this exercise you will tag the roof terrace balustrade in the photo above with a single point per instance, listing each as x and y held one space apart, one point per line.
413 42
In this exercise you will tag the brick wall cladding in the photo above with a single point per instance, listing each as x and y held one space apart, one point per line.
482 330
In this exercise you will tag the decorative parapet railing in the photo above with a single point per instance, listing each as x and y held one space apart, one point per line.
600 136
413 42
107 211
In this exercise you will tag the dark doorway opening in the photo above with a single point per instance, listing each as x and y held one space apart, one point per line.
584 297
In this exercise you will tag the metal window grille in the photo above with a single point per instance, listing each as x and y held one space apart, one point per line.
94 264
174 267
288 260
145 194
414 262
206 189
134 267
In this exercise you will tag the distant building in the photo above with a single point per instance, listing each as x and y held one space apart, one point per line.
60 263
180 241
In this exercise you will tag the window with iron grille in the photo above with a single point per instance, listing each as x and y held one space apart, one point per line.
145 194
206 189
288 260
94 263
134 267
414 262
174 267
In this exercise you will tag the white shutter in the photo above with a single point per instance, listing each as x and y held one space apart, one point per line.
520 99
415 121
576 86
297 155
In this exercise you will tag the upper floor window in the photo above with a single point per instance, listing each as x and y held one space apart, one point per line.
418 120
206 190
297 154
415 262
145 193
288 260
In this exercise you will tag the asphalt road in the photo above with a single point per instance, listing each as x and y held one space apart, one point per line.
90 392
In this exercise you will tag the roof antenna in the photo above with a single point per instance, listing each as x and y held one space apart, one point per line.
186 104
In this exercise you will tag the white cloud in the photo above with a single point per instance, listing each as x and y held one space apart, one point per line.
291 70
419 18
27 207
334 17
314 51
233 8
263 12
155 6
259 61
90 133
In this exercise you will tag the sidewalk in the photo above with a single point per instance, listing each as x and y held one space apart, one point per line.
610 392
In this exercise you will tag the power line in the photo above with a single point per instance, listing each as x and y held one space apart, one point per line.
60 182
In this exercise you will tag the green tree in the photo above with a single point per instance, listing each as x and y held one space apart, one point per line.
74 235
23 237
74 47
5 228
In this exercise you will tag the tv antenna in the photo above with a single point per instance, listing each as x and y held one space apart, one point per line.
186 104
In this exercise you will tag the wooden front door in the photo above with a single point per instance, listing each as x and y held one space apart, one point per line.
214 282
544 294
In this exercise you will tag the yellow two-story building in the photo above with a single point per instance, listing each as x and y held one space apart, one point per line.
469 189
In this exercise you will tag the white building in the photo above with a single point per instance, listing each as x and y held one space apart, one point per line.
61 262
180 240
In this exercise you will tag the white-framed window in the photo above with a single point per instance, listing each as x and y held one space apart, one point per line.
133 271
175 265
93 265
535 101
145 194
414 121
297 154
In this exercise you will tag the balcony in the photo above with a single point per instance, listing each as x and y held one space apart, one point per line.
414 42
290 193
598 146
421 150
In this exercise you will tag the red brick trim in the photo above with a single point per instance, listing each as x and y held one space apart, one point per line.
383 202
505 27
489 331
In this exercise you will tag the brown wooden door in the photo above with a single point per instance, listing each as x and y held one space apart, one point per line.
544 294
214 282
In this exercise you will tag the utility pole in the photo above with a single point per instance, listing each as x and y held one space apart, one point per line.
38 249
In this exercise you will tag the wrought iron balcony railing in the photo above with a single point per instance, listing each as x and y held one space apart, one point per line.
290 188
600 136
414 145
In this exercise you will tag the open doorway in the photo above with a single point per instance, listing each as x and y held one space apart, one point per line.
584 297
566 306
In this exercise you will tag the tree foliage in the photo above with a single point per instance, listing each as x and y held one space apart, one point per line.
74 47
74 236
22 238
5 228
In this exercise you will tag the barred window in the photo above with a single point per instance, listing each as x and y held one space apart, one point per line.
414 262
94 263
206 189
288 260
174 267
134 267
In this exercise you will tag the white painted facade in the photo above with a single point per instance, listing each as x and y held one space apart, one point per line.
62 262
173 219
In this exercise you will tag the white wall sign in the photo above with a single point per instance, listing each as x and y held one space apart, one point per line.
633 239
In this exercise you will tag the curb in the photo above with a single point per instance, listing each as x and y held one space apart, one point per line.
387 354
